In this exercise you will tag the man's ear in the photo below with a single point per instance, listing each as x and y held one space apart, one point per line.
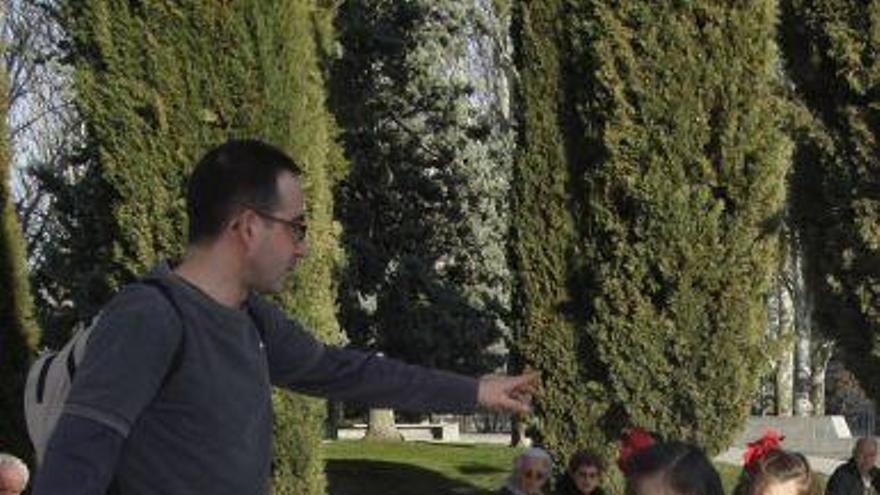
243 227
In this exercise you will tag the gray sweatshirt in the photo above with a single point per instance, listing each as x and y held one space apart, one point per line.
174 396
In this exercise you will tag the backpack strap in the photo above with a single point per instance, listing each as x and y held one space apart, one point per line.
177 360
41 379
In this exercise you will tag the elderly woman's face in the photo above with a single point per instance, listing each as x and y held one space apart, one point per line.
11 481
533 475
587 478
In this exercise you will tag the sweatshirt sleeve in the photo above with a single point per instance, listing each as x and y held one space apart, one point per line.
80 459
298 361
128 355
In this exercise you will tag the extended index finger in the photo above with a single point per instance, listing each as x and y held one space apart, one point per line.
527 382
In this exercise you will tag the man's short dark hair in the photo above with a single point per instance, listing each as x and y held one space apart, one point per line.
238 172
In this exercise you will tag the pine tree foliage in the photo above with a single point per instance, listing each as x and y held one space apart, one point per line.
649 196
159 83
18 330
831 49
423 94
70 275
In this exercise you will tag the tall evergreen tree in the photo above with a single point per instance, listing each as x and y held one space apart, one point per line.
423 94
157 84
18 330
649 195
550 322
831 49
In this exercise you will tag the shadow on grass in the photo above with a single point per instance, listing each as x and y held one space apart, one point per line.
473 468
452 445
363 477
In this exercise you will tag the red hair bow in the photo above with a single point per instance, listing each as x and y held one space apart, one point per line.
759 449
634 441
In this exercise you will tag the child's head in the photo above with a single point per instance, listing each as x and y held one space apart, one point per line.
586 469
778 472
671 468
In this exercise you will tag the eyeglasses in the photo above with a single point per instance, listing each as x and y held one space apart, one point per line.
297 227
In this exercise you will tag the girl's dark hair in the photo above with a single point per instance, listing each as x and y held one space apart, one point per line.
685 468
778 466
585 458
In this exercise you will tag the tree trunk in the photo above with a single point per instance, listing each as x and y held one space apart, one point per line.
765 400
781 310
517 431
822 352
803 405
335 415
785 383
381 426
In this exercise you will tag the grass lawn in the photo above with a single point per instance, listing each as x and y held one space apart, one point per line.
419 468
415 468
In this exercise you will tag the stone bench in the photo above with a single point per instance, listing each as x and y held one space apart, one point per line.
823 436
443 432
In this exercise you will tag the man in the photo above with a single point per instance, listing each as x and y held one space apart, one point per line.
173 393
13 474
859 476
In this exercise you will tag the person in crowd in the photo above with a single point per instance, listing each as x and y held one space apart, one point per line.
174 392
768 469
583 476
860 475
14 474
531 469
670 468
779 472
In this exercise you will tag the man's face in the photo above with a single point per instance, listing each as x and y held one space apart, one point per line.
533 475
587 478
866 456
281 243
11 481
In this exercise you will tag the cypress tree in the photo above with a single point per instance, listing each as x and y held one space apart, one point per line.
549 332
831 51
157 84
18 330
651 188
